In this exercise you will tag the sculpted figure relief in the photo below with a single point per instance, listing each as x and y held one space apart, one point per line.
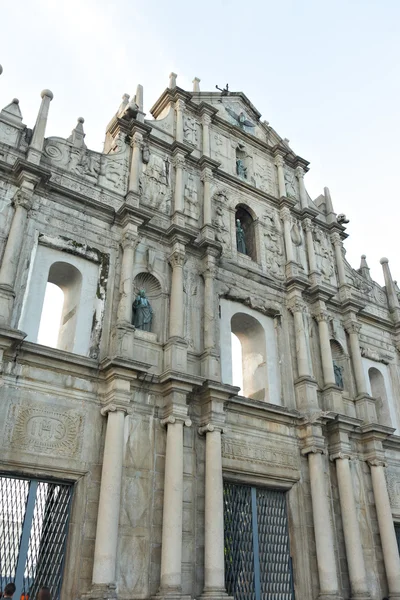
222 234
241 170
338 375
154 182
191 204
291 191
142 312
275 258
240 238
190 130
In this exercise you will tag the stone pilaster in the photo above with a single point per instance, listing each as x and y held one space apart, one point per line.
179 201
206 177
129 242
179 109
305 384
206 122
175 350
314 449
279 163
210 366
136 163
174 417
105 552
23 203
314 274
302 188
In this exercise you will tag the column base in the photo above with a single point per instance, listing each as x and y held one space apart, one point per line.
175 355
215 594
333 399
306 395
329 596
365 408
361 596
132 198
103 591
171 595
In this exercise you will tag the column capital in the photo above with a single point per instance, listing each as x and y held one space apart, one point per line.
116 407
179 104
299 172
177 258
211 427
172 419
296 304
206 119
352 326
307 225
129 240
321 314
336 239
340 455
137 140
23 198
316 448
285 214
377 462
279 162
206 174
178 161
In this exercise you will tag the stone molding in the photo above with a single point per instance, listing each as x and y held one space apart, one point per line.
115 407
210 427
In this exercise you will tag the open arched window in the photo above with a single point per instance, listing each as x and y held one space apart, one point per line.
59 312
245 232
254 366
378 390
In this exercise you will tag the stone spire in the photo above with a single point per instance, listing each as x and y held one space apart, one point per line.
78 135
364 269
172 80
12 113
196 85
36 145
330 214
393 301
139 102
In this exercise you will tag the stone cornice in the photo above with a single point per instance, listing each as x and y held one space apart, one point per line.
263 410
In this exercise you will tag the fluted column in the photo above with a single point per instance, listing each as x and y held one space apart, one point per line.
281 176
214 569
23 203
302 188
286 218
386 528
328 581
36 145
353 329
337 244
312 261
351 529
136 164
177 260
179 162
206 178
105 552
206 122
171 549
179 108
297 307
322 317
209 274
129 243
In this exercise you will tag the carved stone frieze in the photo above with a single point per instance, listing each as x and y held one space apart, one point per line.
155 184
44 429
192 209
190 130
259 453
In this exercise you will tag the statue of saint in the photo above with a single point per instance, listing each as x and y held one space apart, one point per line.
142 312
241 169
240 238
338 375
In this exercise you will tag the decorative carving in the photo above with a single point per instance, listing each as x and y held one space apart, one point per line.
372 354
352 327
239 119
262 175
393 485
190 126
177 259
23 198
296 304
285 214
44 430
279 162
324 254
154 183
258 453
222 234
290 186
191 203
145 154
275 258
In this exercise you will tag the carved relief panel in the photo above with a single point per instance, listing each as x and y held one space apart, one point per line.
221 221
155 183
274 246
191 197
324 255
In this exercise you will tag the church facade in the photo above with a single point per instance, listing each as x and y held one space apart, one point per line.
131 466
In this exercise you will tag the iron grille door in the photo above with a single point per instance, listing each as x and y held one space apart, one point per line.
33 532
397 530
257 553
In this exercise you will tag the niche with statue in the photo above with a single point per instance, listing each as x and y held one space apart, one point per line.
148 309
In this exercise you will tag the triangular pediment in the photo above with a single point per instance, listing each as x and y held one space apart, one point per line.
12 113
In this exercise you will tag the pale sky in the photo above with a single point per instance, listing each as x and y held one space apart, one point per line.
324 74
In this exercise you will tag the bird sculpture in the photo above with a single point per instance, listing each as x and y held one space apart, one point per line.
240 118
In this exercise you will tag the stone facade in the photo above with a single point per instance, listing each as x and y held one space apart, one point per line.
147 424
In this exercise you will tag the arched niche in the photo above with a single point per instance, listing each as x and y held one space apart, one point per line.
251 335
378 390
69 279
150 284
247 222
340 365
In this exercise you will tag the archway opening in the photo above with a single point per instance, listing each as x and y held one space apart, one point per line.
50 320
378 390
251 336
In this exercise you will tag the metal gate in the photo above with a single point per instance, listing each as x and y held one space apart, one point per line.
258 565
33 531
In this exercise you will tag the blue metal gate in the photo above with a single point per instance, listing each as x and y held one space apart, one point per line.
33 531
258 565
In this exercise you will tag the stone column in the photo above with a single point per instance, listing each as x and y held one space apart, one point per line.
302 188
337 243
353 329
105 552
171 549
281 176
129 242
136 164
206 178
297 307
214 568
312 261
179 108
322 317
351 529
206 122
36 145
386 528
328 581
176 311
286 218
179 204
8 270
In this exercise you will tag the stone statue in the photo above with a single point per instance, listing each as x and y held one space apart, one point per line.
142 312
240 168
291 191
338 375
240 238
